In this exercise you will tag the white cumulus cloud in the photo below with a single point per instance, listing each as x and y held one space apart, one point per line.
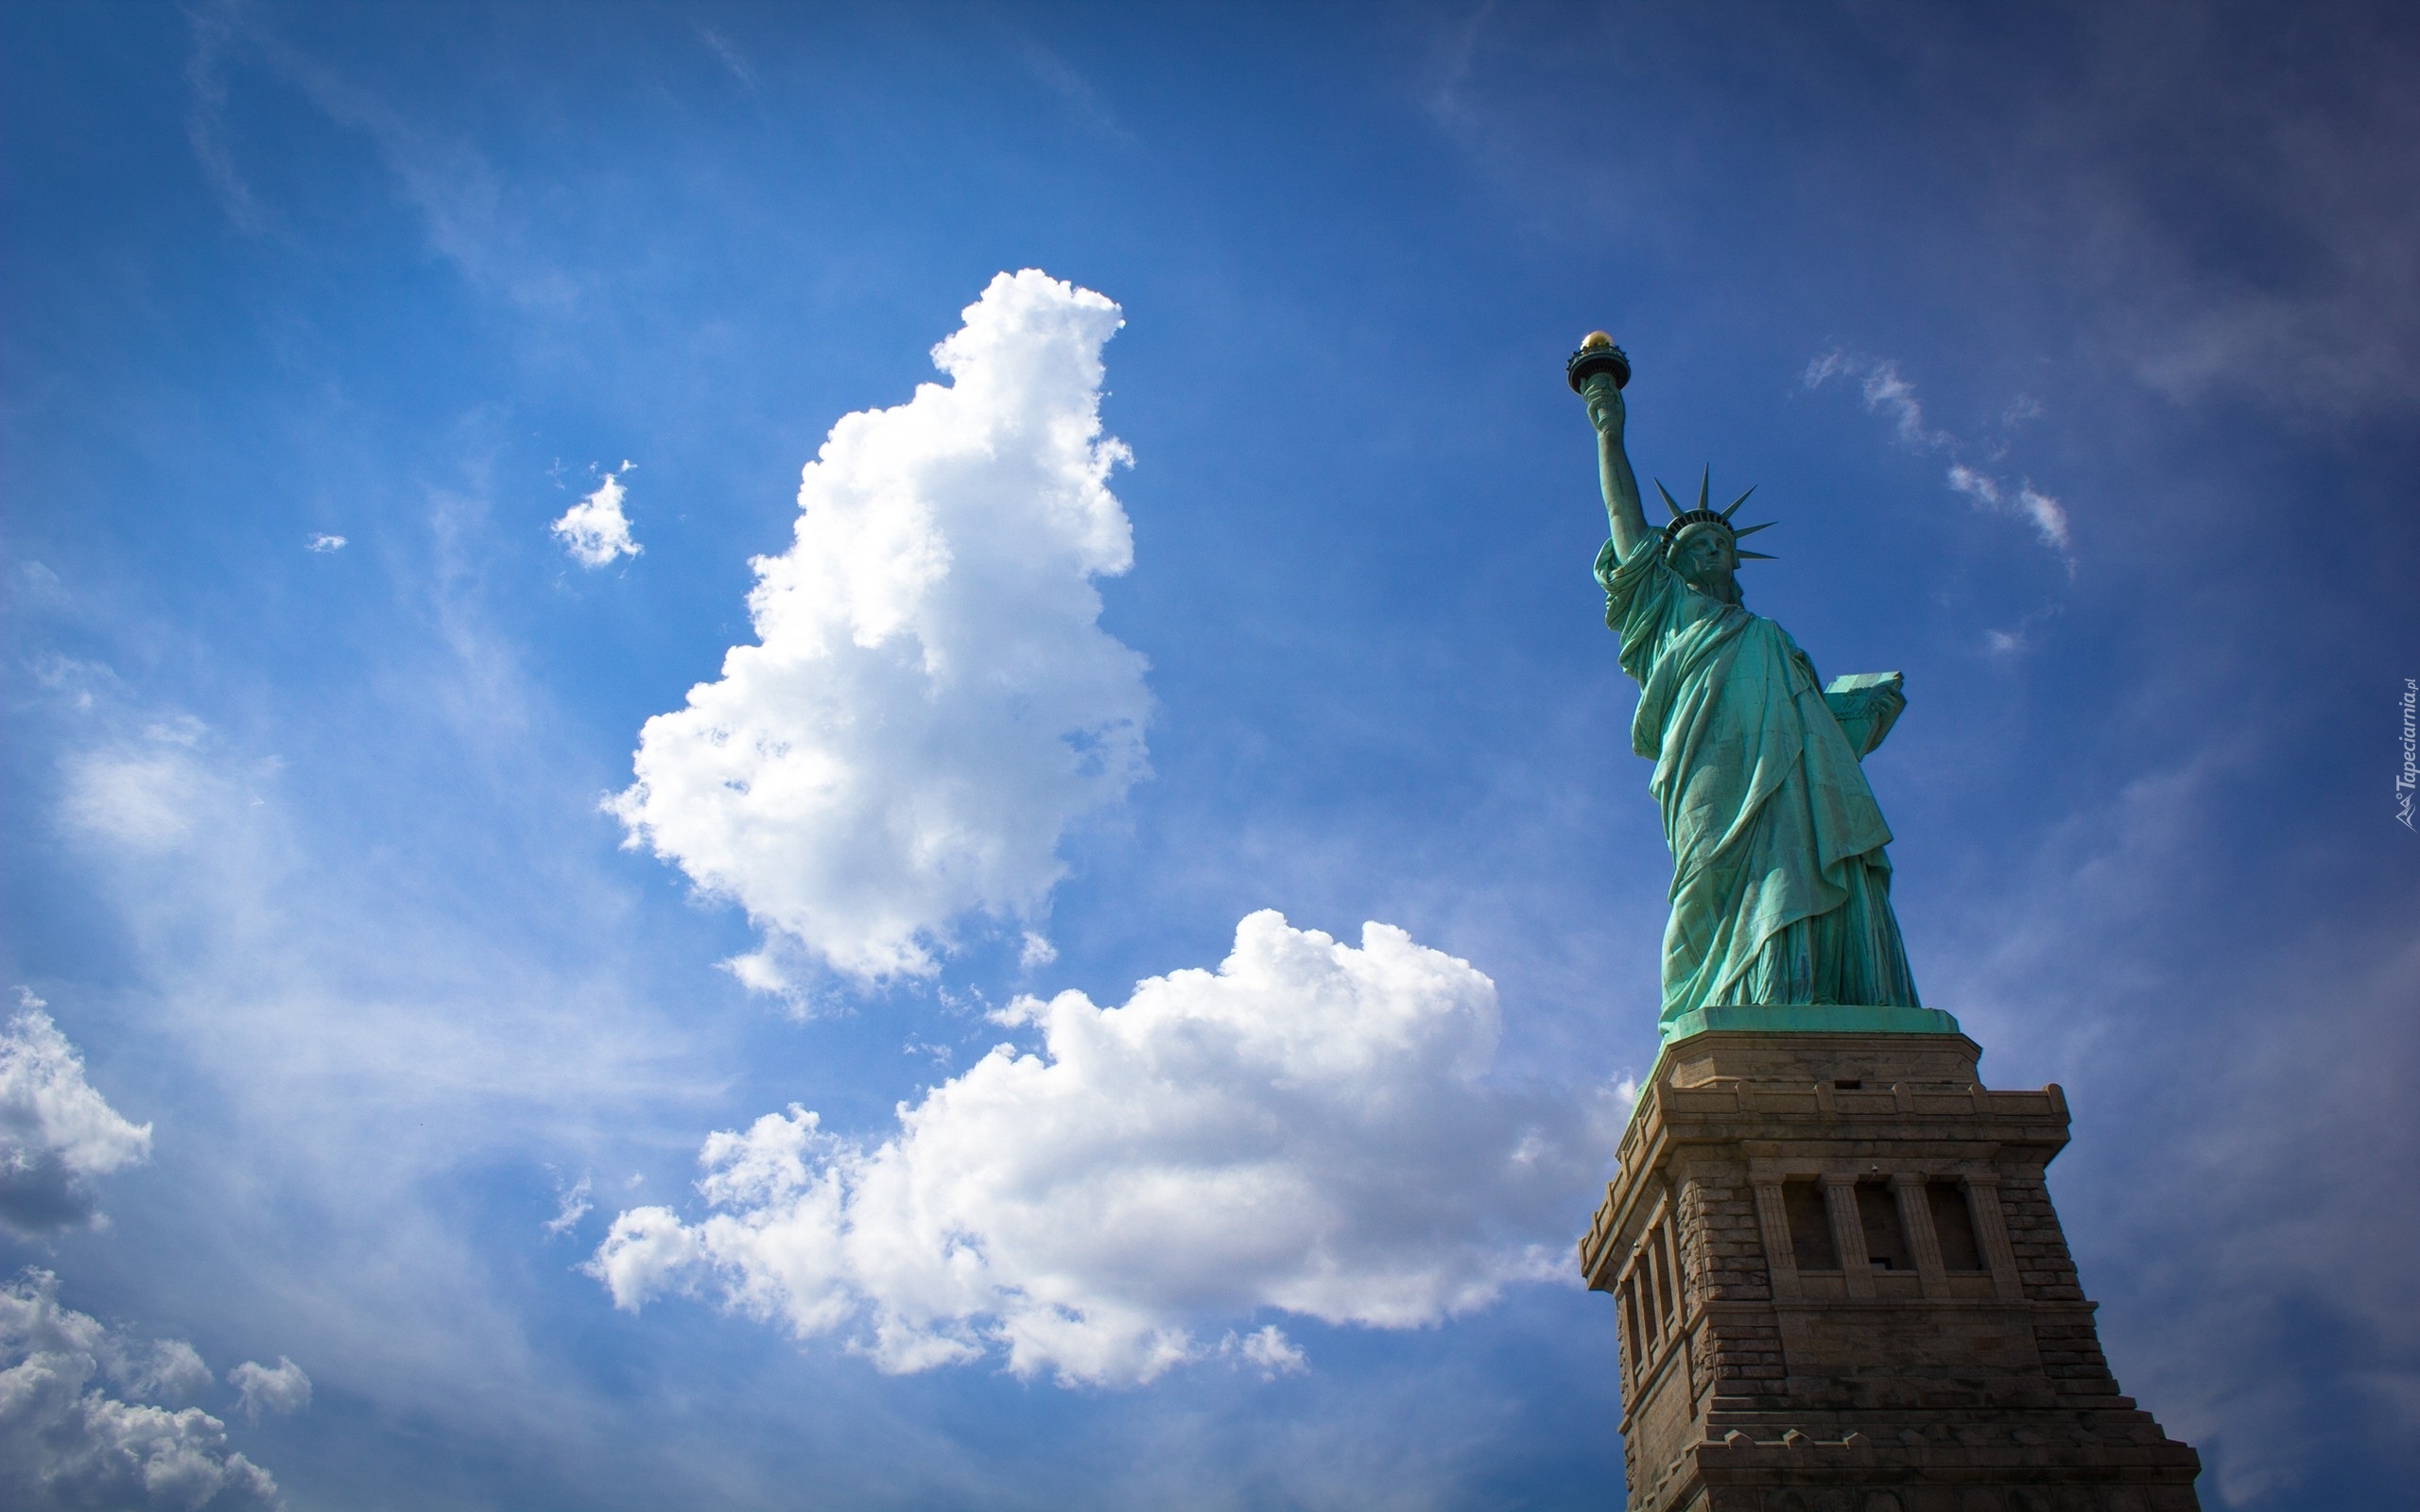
322 542
1310 1130
55 1132
931 701
276 1390
165 1371
66 1443
595 530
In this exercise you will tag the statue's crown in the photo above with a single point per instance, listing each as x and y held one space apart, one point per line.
1721 518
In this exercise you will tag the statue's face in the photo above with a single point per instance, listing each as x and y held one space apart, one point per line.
1703 556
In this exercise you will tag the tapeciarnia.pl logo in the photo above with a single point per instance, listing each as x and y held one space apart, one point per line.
2410 776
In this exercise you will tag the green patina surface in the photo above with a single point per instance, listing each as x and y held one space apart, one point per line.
1781 884
1813 1018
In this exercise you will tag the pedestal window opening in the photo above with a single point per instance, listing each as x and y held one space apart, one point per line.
1886 1239
1810 1227
1953 1224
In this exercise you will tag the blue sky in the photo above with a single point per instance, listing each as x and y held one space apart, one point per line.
2075 349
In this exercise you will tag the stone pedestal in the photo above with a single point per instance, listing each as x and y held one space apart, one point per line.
1842 1288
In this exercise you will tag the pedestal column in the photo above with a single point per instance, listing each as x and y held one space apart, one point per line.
1915 1218
1848 1232
1991 1233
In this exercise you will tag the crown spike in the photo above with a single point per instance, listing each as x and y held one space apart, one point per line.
1669 502
1737 501
1752 556
1749 530
1706 481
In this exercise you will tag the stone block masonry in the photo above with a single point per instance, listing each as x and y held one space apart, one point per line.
1840 1286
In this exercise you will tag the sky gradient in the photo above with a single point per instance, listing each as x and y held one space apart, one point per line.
513 886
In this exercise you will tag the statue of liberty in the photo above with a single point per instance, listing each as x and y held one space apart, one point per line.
1781 890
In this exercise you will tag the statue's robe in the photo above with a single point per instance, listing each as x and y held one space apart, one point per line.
1781 891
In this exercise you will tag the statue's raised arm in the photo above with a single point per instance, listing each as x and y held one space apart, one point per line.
1598 370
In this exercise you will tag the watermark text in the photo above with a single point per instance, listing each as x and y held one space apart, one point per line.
2406 780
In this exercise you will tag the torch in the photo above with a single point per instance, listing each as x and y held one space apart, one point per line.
1596 355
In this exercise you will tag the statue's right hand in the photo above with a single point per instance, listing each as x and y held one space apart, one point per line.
1605 409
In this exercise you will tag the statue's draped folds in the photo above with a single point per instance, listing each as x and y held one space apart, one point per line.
1781 890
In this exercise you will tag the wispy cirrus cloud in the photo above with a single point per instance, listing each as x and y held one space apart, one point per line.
458 194
573 1205
1054 72
2047 515
728 53
206 121
2212 1094
278 977
1889 393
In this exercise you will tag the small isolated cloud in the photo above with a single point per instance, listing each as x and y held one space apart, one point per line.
323 543
2048 516
1267 1348
1889 394
277 1391
66 1443
575 1205
595 530
55 1132
1309 1128
931 701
